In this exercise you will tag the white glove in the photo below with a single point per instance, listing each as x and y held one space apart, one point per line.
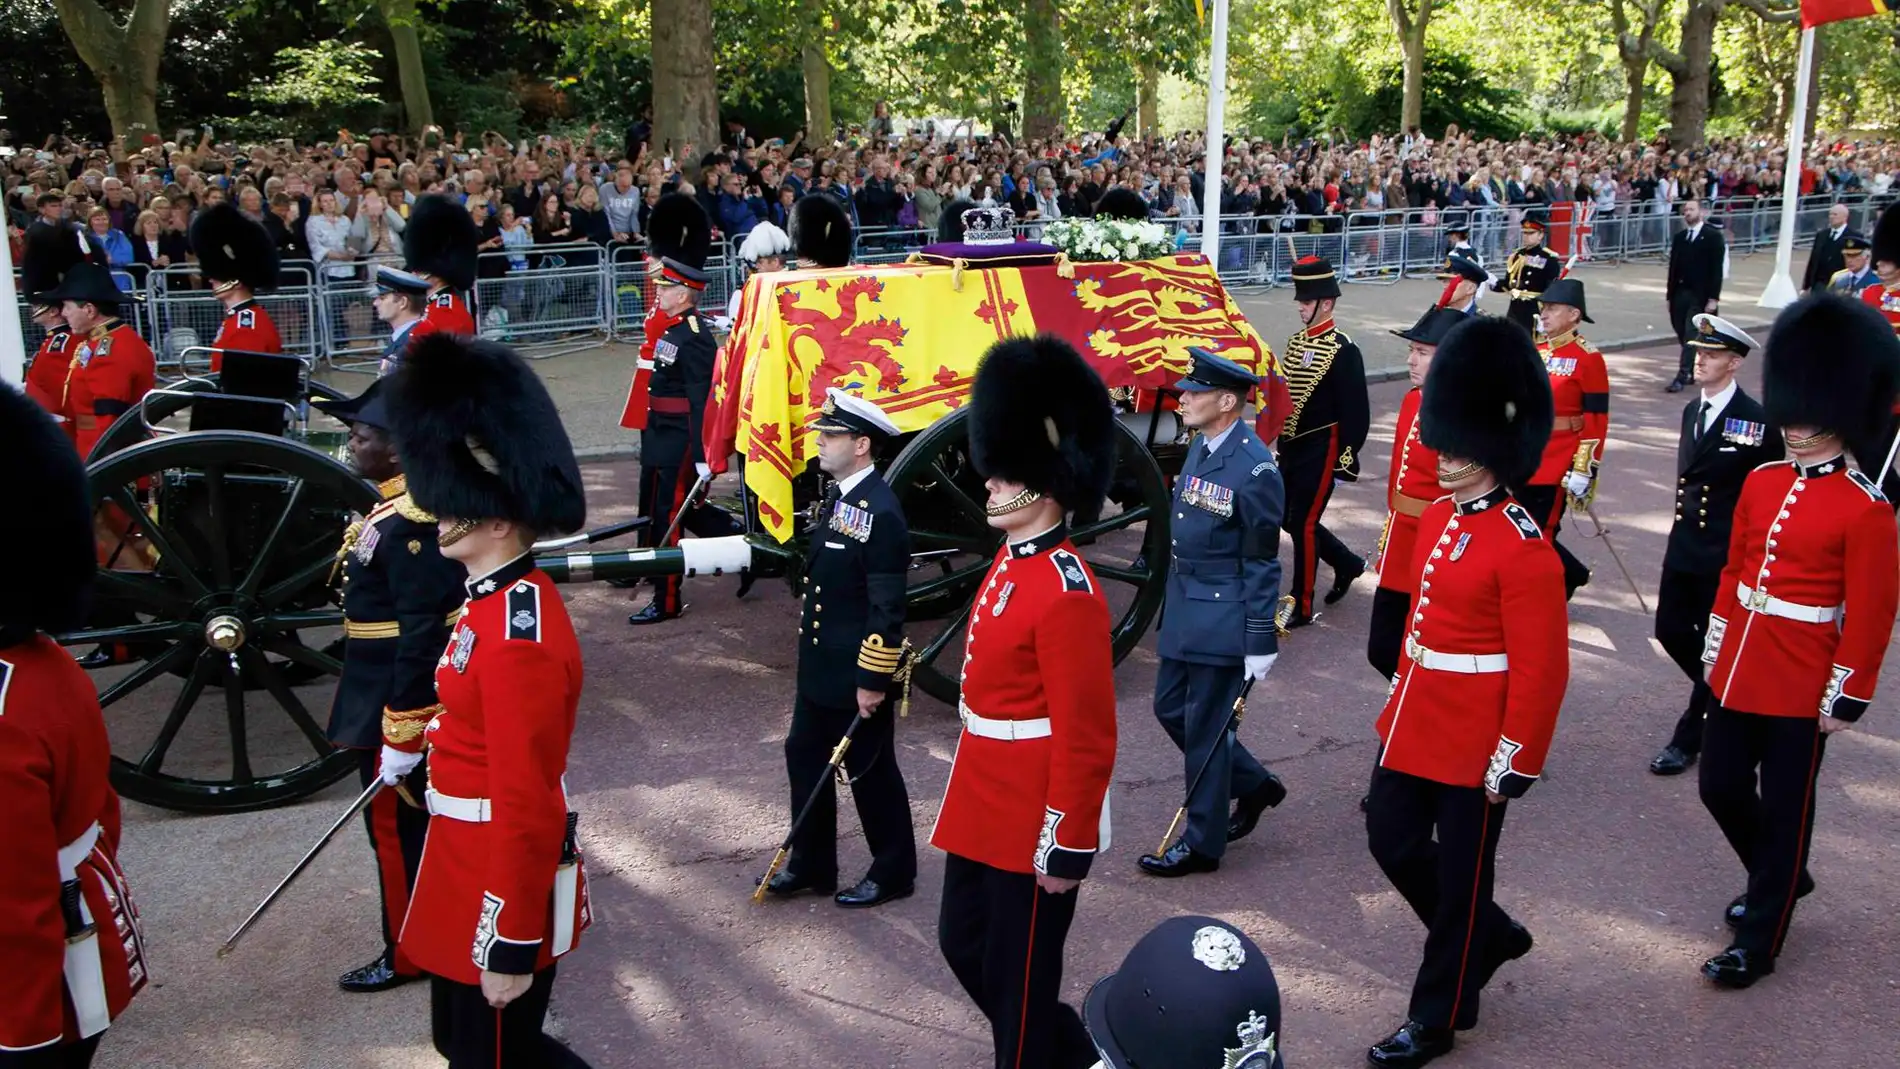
704 469
396 764
1258 665
1492 278
1577 483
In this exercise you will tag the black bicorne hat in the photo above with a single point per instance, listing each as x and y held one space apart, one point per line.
677 229
440 239
233 248
1041 416
1432 327
88 283
1566 291
1487 398
51 251
52 539
821 231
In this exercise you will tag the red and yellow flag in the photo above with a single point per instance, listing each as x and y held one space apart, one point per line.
1819 12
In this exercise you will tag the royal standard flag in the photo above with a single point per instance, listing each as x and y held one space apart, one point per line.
1818 12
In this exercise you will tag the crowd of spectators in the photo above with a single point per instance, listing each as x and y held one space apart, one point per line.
344 201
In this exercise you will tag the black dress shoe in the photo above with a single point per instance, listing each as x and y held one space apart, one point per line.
869 892
651 614
1412 1045
1297 620
1738 906
1675 386
787 883
1509 945
1737 968
1178 860
1342 581
1672 761
1249 806
378 975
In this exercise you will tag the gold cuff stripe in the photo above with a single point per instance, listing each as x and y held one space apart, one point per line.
880 669
386 628
403 730
425 713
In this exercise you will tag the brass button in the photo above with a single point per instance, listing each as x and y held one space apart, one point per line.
815 624
818 608
814 640
1702 512
1702 525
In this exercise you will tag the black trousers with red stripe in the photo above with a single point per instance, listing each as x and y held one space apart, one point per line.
1306 465
1002 936
1447 882
1757 781
471 1034
396 832
663 489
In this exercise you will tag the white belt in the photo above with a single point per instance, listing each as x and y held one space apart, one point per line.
76 851
1005 730
1759 600
1470 664
471 810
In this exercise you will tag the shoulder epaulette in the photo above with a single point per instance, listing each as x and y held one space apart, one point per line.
406 506
1861 480
524 611
1520 518
1075 577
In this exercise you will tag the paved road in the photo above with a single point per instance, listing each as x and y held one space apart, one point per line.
678 769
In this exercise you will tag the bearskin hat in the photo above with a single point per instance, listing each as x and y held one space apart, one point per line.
1121 203
950 224
480 437
1487 398
1833 362
1041 416
232 248
1887 236
51 251
440 240
54 536
677 229
821 231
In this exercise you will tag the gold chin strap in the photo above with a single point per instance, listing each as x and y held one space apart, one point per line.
1023 499
1469 469
456 533
222 288
1810 441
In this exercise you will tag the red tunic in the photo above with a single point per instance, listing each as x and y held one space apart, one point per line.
447 311
46 376
1799 535
247 328
633 414
509 682
1580 390
1037 662
55 764
1490 597
1884 300
114 372
1410 488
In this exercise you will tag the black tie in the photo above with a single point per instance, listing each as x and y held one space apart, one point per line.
1701 417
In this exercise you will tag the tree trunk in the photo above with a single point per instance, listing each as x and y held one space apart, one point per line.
401 17
1042 69
1147 109
817 66
1689 94
685 92
1410 27
124 58
1635 73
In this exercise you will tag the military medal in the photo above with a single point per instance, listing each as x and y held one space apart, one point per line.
458 653
1743 432
1002 598
366 543
851 521
1211 497
1459 549
1561 365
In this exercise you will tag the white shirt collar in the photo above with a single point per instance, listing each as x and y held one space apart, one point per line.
1694 230
399 332
1835 232
850 482
1216 441
1716 404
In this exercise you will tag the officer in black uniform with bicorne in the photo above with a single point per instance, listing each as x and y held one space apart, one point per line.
1322 437
672 455
400 597
1528 272
850 652
1725 435
1195 991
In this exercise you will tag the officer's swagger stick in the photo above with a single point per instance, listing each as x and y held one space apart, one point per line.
1233 725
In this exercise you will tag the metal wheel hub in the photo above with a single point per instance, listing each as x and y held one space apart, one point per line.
225 633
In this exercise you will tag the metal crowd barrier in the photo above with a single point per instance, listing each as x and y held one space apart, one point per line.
624 287
353 338
182 313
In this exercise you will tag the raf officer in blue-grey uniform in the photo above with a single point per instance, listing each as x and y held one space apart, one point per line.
1217 624
399 299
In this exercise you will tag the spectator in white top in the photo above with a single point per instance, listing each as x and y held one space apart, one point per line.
328 235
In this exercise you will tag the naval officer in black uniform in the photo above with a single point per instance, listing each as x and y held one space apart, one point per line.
400 596
1217 625
850 651
1725 435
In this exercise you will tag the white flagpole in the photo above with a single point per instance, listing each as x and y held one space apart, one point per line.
1781 290
1216 137
12 342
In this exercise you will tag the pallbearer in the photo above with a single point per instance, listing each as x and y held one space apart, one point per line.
501 895
1580 389
1725 435
1322 437
71 948
239 259
1026 808
1803 612
1470 713
440 243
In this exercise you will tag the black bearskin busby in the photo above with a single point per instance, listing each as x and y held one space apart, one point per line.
232 248
480 437
1041 416
677 229
50 252
440 240
1832 362
821 231
1487 398
1887 236
1121 203
53 538
950 224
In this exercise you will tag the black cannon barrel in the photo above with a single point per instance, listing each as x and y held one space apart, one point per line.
693 556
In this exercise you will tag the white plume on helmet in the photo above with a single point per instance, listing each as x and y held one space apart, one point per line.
764 239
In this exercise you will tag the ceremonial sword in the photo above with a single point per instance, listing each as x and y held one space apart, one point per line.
1233 725
362 800
1604 533
833 767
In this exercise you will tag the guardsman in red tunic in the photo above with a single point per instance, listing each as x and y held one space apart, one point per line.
1410 488
240 260
501 896
439 243
1580 389
1026 808
678 230
1803 613
1470 714
71 952
50 253
112 368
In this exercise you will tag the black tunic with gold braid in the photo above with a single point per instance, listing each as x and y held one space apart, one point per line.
1326 375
